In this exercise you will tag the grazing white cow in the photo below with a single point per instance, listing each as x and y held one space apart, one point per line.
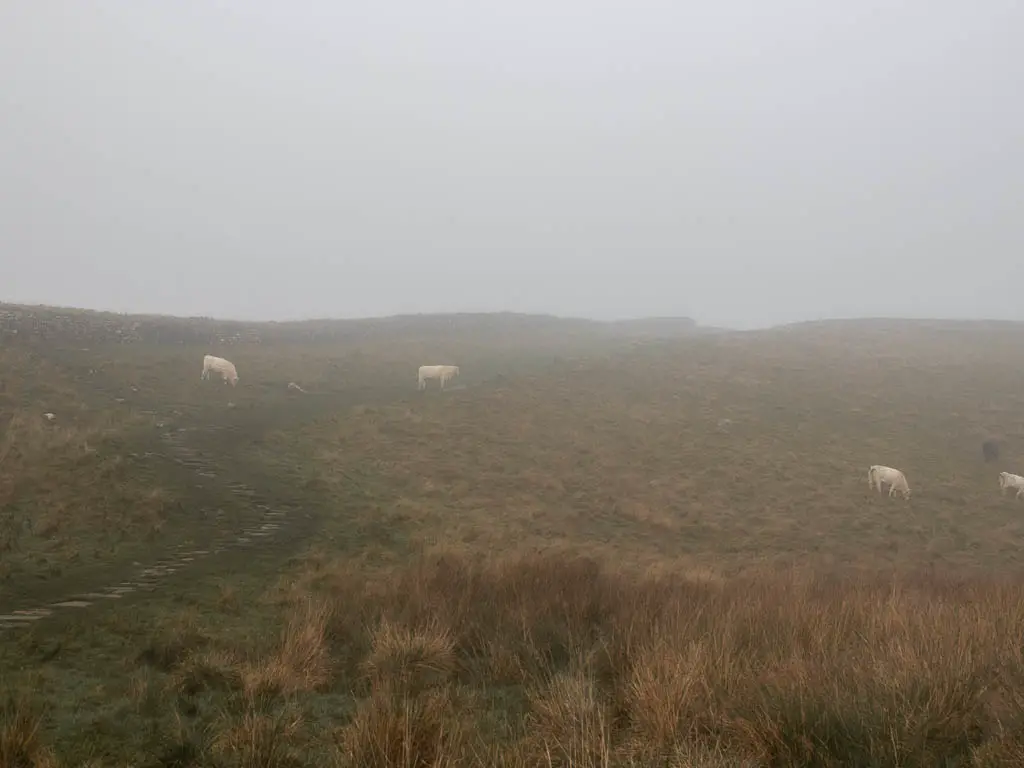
443 373
1008 480
219 365
895 479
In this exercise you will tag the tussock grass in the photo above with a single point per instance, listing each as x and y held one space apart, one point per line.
259 739
780 668
177 636
412 658
302 661
538 660
20 735
207 670
396 728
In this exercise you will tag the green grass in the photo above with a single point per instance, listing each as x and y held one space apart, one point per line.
72 496
598 549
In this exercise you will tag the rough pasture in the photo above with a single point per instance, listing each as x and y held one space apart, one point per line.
569 561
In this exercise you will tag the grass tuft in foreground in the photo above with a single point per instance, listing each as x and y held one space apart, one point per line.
20 736
545 661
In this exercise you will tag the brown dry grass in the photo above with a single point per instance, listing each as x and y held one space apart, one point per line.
301 662
708 454
541 660
20 736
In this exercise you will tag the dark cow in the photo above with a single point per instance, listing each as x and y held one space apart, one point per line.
990 450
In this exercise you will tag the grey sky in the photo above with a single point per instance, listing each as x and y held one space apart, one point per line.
742 161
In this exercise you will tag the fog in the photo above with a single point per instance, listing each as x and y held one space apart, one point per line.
742 162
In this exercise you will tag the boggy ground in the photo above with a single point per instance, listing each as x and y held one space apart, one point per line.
598 552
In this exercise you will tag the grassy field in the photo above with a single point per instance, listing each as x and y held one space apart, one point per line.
599 548
71 495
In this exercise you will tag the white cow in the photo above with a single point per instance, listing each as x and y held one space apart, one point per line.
1007 480
219 365
441 372
896 480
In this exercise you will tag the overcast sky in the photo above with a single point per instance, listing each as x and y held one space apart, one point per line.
745 162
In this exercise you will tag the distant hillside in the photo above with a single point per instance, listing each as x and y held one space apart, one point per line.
660 327
875 324
83 326
43 323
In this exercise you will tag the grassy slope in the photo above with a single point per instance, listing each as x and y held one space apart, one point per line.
714 453
70 492
443 606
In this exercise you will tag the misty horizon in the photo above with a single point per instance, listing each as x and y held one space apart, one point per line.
740 166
